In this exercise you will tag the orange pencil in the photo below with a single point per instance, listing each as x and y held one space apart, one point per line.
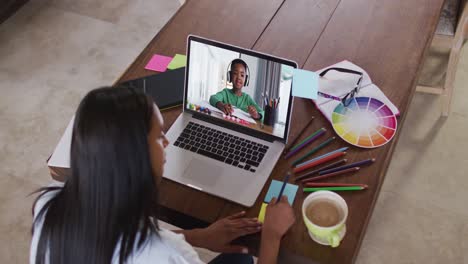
326 184
331 174
318 162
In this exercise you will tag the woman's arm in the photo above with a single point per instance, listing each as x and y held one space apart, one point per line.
279 217
193 236
219 235
269 248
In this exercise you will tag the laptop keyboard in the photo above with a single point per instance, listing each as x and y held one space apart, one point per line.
218 145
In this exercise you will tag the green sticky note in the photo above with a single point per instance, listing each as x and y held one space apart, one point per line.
275 187
178 61
305 84
261 215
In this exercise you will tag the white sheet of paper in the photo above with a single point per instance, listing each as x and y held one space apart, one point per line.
243 115
61 156
237 112
212 108
339 84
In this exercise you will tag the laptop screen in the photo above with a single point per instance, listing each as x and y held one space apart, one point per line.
239 86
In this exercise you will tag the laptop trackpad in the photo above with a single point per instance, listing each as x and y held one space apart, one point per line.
203 173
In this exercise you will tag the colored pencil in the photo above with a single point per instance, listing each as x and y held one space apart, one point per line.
322 156
311 139
318 162
355 164
285 181
326 184
348 188
317 148
305 139
325 176
299 136
309 174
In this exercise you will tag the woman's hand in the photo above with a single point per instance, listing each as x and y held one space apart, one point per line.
253 112
279 217
226 108
218 236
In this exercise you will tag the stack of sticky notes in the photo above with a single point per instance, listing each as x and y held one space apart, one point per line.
305 84
290 191
158 63
178 61
161 63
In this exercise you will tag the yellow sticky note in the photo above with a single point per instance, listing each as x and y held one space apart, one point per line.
261 215
177 62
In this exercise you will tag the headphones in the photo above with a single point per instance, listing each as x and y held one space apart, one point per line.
238 61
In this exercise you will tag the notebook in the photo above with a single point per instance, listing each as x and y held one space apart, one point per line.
339 84
166 89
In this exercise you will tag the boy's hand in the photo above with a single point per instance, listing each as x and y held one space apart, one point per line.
253 112
226 108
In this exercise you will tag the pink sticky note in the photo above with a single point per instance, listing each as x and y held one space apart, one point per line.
158 63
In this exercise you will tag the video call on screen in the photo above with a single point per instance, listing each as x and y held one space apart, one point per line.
239 88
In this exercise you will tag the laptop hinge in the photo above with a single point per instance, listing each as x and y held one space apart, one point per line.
235 127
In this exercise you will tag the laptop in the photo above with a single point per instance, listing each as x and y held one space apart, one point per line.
235 120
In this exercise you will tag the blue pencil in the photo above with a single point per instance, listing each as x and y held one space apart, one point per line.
285 181
322 156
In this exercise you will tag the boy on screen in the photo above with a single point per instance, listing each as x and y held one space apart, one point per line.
225 99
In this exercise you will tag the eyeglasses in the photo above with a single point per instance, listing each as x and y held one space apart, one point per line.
348 98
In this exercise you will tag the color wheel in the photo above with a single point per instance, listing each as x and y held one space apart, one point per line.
366 122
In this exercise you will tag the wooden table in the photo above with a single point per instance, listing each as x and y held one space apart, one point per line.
388 39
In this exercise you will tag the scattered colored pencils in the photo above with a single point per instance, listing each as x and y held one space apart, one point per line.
322 156
309 174
306 142
298 136
346 188
336 173
355 164
317 148
318 162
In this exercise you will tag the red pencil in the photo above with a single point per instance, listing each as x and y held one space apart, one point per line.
326 184
318 162
331 174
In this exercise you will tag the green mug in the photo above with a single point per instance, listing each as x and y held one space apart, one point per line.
330 235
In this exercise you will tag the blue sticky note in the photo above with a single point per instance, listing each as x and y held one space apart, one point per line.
275 187
305 84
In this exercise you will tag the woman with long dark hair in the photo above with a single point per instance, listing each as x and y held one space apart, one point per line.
106 211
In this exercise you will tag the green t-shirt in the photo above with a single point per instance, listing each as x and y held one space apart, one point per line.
226 96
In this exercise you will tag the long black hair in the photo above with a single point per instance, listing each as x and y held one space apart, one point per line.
111 194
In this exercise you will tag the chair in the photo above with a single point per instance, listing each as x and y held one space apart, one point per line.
449 35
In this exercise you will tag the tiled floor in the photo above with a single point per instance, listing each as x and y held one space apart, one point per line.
53 51
421 215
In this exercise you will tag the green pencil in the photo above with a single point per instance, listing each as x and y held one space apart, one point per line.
317 148
347 188
307 138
